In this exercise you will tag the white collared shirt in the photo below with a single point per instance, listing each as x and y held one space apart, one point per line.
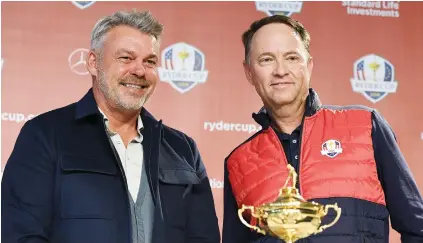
132 157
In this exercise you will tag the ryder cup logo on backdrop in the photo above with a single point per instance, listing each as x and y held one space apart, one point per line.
182 67
83 4
374 77
279 7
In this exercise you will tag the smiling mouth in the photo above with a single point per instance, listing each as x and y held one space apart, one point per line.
281 83
135 86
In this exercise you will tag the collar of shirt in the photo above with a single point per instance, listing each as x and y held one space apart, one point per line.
284 136
111 133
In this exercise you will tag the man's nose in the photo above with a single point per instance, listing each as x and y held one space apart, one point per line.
138 69
280 69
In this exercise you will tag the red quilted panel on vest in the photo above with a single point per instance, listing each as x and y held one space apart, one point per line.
352 172
257 169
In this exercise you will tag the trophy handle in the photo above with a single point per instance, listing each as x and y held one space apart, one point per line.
338 214
251 208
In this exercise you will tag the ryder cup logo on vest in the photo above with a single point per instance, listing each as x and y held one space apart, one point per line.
182 67
83 4
279 7
331 148
374 77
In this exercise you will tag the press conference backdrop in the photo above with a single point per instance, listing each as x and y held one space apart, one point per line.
367 53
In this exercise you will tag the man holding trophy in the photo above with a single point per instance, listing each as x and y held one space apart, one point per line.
309 158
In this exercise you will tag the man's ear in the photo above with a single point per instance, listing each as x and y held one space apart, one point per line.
92 62
310 65
247 72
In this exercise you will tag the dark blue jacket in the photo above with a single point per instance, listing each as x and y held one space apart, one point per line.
361 221
64 184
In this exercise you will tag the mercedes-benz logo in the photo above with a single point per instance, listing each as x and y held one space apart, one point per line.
77 61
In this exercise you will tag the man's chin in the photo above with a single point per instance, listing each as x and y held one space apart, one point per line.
130 105
282 101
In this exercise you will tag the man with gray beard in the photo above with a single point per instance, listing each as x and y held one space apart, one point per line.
104 170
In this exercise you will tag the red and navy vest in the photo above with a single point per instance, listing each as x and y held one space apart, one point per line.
336 160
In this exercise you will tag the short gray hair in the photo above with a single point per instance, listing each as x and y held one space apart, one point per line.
143 21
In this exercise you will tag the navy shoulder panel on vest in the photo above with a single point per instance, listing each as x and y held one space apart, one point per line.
348 107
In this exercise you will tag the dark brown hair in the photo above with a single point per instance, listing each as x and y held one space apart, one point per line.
255 26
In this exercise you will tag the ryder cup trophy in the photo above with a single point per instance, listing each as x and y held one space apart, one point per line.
290 217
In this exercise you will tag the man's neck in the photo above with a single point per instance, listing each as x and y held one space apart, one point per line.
120 121
287 118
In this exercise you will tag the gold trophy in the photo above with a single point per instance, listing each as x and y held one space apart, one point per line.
183 55
374 66
290 217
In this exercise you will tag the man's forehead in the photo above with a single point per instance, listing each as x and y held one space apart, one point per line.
133 43
276 31
276 37
123 32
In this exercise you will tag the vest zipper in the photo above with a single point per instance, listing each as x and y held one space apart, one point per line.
299 162
286 159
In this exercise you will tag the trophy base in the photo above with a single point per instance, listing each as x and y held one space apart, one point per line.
292 232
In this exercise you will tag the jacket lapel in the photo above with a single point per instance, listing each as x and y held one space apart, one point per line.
151 144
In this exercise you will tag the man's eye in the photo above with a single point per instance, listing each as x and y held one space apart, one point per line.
293 58
266 59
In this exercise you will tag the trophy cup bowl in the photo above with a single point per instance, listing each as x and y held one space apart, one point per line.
290 217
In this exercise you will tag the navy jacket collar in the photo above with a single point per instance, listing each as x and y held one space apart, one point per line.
313 104
87 107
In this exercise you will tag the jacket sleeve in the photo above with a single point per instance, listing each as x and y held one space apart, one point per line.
202 226
403 199
27 187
